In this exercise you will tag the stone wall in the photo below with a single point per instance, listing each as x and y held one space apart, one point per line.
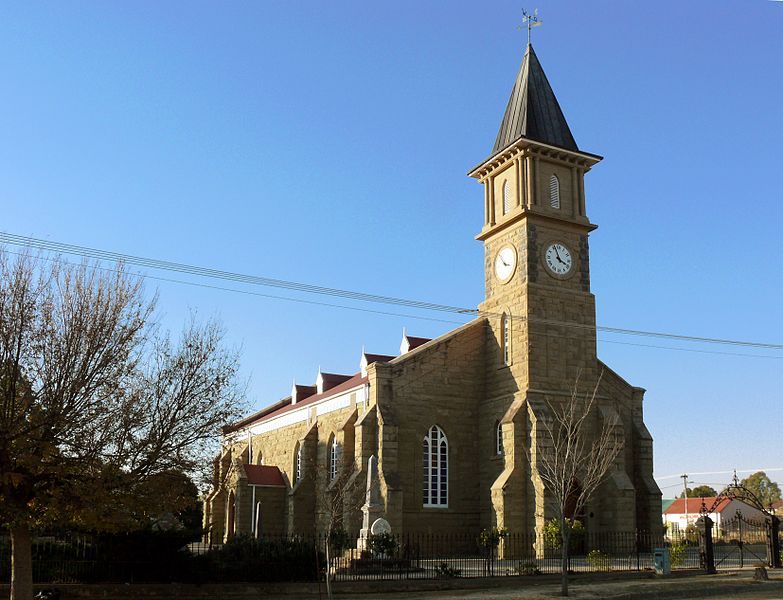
440 383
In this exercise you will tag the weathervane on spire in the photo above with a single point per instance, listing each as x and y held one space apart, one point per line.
531 21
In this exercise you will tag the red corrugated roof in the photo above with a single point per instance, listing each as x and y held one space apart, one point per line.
371 358
415 342
257 415
264 475
333 379
346 385
694 505
304 391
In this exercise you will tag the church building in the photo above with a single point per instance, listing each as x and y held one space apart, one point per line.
453 421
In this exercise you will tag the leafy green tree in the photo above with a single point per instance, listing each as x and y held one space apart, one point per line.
766 490
700 491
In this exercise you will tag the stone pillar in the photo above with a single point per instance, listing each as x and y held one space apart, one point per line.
773 542
706 551
372 509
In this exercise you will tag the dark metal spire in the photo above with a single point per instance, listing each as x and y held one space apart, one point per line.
533 111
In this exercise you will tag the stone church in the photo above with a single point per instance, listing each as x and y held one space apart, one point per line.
451 421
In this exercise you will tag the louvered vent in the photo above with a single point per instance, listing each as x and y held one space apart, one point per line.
506 198
554 192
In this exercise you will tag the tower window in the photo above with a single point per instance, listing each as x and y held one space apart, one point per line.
333 449
505 325
554 192
506 198
435 484
498 438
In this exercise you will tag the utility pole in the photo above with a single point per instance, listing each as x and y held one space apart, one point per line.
685 487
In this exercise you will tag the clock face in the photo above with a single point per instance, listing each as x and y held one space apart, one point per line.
505 263
558 259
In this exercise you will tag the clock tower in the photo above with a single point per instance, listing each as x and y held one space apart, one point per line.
541 334
535 233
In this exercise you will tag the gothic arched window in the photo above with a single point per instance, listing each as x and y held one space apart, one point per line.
333 449
298 463
506 198
498 438
505 326
554 192
435 484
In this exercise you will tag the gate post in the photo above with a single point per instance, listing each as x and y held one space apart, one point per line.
773 542
706 553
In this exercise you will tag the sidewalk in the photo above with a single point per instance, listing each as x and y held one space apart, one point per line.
735 585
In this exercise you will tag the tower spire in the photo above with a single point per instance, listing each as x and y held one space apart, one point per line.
533 111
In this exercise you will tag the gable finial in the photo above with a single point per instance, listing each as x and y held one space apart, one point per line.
531 20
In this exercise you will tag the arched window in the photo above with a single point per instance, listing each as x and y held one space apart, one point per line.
333 449
298 463
435 485
505 325
232 515
259 457
498 438
506 198
554 192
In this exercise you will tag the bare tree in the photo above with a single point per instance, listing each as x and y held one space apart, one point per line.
574 459
92 402
340 494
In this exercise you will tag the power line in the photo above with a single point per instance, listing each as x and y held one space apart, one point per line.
104 255
767 469
95 253
605 341
270 296
396 314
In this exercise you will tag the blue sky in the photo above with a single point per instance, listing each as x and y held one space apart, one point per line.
328 143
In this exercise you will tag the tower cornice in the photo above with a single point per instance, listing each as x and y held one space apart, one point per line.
524 147
581 225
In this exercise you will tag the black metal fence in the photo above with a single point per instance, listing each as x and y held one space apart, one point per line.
736 543
70 558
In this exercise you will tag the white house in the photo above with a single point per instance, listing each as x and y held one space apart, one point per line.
684 511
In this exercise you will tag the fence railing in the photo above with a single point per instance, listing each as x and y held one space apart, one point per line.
66 558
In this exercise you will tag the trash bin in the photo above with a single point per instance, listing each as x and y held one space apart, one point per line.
663 565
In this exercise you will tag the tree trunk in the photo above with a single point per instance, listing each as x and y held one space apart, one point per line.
21 563
564 539
328 570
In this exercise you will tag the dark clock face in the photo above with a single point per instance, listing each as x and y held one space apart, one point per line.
558 258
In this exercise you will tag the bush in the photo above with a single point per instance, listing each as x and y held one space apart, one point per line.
528 568
490 538
677 554
382 544
339 540
243 558
598 560
553 539
445 571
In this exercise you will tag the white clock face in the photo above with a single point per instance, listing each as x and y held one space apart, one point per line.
505 263
558 259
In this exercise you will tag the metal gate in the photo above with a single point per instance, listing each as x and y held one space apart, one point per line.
740 542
